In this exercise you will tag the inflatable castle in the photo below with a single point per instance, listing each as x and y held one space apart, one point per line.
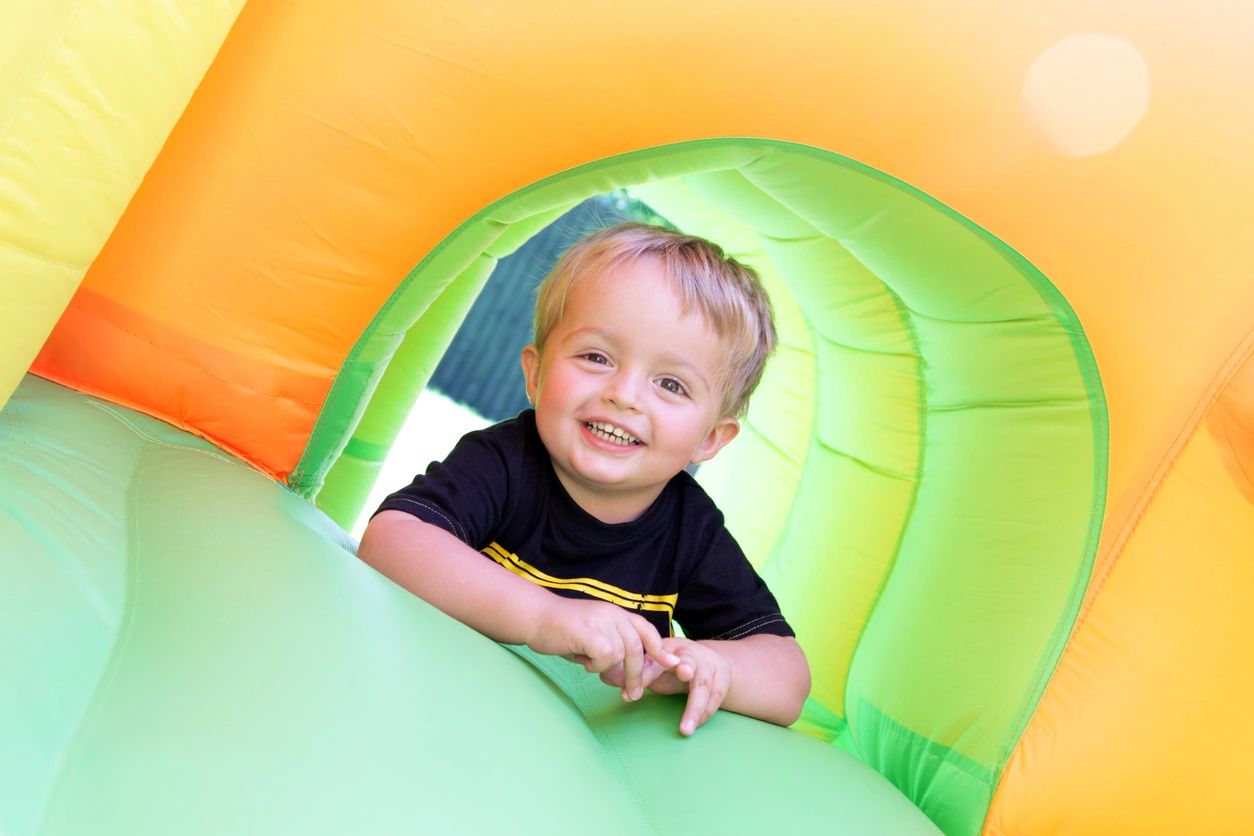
1000 473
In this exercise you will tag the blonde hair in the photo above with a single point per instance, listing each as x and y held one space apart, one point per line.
728 295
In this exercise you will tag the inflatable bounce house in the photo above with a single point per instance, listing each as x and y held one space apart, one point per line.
1000 473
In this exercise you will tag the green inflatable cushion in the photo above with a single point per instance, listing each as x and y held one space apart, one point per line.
189 648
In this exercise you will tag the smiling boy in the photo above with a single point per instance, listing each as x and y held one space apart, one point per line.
647 346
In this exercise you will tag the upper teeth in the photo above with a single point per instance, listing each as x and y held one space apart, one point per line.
612 433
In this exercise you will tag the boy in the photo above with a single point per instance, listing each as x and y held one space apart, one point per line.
647 346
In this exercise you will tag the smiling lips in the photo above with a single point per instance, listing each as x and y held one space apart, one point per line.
612 434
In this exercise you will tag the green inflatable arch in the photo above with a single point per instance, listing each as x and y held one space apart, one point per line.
920 481
916 444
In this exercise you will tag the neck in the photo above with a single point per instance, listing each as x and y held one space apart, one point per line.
609 506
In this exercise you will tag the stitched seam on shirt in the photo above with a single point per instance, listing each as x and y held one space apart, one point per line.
731 630
749 626
757 627
457 529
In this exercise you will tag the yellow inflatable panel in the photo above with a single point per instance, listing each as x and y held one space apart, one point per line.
88 92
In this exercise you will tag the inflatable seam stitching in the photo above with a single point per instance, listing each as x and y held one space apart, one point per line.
151 439
17 444
85 311
1210 395
1060 637
62 774
44 257
906 318
301 480
598 731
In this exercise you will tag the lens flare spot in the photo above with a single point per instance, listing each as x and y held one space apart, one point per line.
1086 93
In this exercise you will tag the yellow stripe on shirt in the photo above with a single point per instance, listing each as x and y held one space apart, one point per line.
589 586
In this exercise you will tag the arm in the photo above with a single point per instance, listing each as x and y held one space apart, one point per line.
445 572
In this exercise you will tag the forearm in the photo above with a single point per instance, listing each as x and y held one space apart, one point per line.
445 572
770 677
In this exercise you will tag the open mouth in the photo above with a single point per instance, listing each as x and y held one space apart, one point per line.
612 434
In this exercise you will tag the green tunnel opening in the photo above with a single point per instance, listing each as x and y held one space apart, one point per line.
922 474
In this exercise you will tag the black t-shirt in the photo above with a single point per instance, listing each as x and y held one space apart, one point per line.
498 493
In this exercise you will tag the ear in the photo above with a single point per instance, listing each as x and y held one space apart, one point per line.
723 431
531 371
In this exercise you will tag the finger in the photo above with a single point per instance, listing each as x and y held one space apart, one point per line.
668 683
655 645
615 654
605 651
652 670
694 711
717 695
633 664
613 676
594 648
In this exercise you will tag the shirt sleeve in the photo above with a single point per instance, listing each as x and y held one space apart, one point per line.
724 598
464 494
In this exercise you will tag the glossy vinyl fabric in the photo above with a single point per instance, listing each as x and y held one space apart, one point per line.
1000 470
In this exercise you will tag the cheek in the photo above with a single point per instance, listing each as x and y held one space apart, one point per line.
557 389
573 382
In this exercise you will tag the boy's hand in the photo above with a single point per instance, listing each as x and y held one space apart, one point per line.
702 672
600 636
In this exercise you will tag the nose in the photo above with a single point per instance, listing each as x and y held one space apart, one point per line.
623 390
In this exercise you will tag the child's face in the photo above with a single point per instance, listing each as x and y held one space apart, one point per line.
627 392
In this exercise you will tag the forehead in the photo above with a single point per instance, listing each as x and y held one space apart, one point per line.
623 291
640 303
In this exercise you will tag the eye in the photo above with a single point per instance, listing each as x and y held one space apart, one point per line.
673 386
595 357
